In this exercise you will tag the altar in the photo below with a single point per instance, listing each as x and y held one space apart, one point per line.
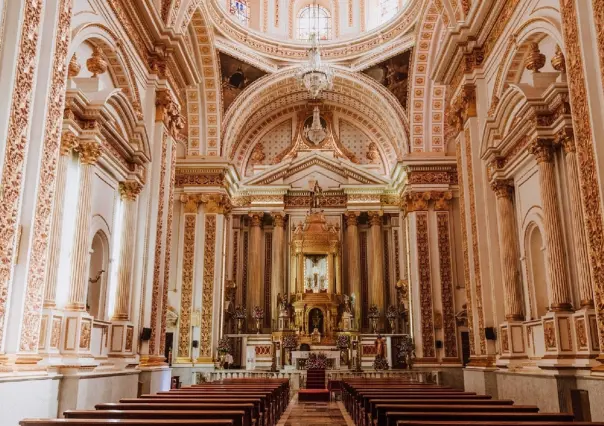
333 358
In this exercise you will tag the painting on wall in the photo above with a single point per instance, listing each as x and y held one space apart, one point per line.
394 74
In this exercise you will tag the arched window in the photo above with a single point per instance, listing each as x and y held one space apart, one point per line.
314 19
388 8
241 10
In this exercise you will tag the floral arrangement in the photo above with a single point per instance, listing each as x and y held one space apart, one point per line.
343 341
374 312
258 313
406 344
392 313
380 363
316 362
240 312
290 341
224 345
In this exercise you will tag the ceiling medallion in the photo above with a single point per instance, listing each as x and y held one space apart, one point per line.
315 132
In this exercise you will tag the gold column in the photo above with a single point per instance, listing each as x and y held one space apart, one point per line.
560 300
68 143
255 291
338 272
353 245
278 258
89 151
300 270
129 191
578 223
504 190
376 277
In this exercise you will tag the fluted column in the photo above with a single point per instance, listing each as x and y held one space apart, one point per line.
559 289
578 224
504 189
68 143
89 151
255 292
376 276
278 257
353 258
129 191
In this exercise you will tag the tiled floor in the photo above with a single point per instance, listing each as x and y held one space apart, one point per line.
315 414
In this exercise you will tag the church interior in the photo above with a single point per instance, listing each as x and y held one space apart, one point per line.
213 196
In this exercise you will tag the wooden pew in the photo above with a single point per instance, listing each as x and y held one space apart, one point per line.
392 417
124 422
250 416
492 423
237 417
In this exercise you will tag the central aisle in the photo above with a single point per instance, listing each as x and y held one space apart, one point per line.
315 414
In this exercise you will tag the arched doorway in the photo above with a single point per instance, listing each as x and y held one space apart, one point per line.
97 276
537 271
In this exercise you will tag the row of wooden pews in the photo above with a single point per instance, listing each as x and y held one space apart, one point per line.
394 402
235 402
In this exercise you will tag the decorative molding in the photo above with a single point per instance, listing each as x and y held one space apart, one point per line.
446 282
186 290
268 270
425 285
364 280
207 309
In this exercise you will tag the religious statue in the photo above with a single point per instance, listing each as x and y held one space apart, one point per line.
316 193
347 307
380 362
280 302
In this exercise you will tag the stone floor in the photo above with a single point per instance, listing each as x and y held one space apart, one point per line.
315 414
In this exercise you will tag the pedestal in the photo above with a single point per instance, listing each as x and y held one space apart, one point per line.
512 343
50 335
121 335
76 337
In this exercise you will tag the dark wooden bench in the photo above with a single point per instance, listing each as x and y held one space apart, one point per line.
237 417
124 422
392 417
492 423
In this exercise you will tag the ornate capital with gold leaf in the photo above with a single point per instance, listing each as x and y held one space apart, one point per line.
69 142
90 152
375 218
442 200
130 189
168 111
416 201
542 149
256 219
278 219
190 202
503 188
352 218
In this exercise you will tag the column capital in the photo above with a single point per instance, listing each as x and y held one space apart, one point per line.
90 152
351 218
69 142
542 149
130 189
503 188
191 202
442 200
468 101
375 218
256 219
279 219
416 201
566 139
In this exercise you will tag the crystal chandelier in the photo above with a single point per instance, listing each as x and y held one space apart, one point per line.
315 75
315 133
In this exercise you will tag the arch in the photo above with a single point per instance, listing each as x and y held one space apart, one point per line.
98 273
537 287
356 92
119 64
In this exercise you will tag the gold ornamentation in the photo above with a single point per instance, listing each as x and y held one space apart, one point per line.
85 335
96 64
373 155
89 151
130 189
279 220
55 336
446 280
425 285
542 149
549 334
505 341
205 347
558 60
258 154
581 333
503 188
256 219
74 67
587 167
168 111
375 218
416 201
186 292
535 60
69 143
352 218
129 339
442 201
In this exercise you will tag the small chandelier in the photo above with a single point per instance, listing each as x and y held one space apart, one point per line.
315 133
315 75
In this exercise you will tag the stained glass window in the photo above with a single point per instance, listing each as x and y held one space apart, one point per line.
314 19
241 11
388 9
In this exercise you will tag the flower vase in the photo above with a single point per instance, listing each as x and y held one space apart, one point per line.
288 356
374 323
239 325
392 325
258 325
222 360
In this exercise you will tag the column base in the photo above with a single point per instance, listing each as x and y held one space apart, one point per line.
50 335
559 341
121 336
512 344
76 338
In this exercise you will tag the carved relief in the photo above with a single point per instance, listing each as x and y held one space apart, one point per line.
129 339
85 335
425 285
581 334
205 347
55 335
446 278
505 341
186 292
549 335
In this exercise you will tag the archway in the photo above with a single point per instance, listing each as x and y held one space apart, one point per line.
97 276
537 272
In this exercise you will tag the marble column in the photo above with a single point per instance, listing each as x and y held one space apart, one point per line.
560 300
338 272
353 258
376 264
89 151
299 269
68 143
504 190
278 264
578 224
255 290
129 191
